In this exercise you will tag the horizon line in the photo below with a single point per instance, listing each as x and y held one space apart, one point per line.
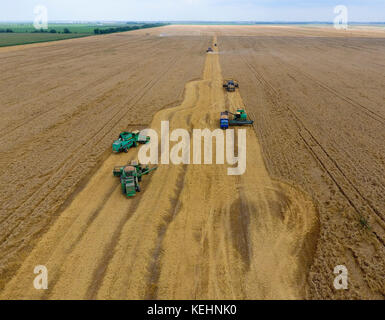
192 21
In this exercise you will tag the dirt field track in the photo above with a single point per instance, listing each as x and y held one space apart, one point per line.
312 197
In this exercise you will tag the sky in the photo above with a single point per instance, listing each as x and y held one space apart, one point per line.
197 10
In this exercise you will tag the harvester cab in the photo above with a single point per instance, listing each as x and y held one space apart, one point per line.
130 176
126 140
240 115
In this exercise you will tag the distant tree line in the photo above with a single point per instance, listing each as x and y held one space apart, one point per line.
127 28
65 30
123 28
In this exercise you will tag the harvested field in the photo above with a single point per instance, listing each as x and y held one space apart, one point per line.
179 239
62 104
320 116
311 198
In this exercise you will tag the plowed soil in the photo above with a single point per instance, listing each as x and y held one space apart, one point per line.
311 198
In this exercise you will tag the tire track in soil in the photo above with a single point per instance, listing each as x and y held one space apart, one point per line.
334 163
154 269
16 243
194 232
368 260
274 94
76 153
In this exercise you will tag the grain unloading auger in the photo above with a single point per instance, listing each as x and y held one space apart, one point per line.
130 175
240 119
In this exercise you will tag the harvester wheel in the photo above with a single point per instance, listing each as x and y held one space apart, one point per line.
137 188
125 150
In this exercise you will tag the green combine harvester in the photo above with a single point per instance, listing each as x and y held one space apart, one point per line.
127 140
239 119
130 176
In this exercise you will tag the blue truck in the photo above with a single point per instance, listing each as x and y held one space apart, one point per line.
224 120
